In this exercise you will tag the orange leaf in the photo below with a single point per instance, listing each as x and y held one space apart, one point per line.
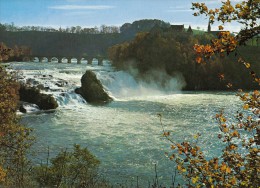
166 134
235 133
173 147
247 65
229 85
198 59
220 27
223 167
225 130
233 180
221 76
246 106
228 170
172 157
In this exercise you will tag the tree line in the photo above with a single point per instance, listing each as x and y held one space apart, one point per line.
103 29
127 28
70 43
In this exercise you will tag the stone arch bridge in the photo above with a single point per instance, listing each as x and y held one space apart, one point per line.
68 59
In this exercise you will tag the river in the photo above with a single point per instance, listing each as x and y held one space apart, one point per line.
125 135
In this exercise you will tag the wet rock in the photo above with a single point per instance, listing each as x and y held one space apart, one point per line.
40 86
28 107
22 109
31 81
33 95
61 83
47 88
58 84
92 90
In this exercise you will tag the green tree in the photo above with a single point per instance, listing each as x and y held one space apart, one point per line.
175 55
77 168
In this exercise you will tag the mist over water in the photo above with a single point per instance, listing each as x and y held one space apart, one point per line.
123 85
125 135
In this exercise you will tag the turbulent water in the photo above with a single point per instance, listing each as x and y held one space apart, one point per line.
125 135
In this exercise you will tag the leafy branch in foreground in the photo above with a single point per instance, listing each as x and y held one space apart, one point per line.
245 13
238 165
15 139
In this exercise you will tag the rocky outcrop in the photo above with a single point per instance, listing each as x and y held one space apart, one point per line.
26 107
33 95
92 90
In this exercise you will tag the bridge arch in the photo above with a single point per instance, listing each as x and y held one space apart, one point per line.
36 59
84 60
54 59
95 61
100 61
90 60
63 60
43 59
26 59
106 62
73 60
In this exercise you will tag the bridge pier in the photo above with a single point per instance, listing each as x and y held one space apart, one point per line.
79 60
27 59
100 61
69 60
90 60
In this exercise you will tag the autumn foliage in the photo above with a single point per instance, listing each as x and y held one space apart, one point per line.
238 165
15 139
245 13
67 169
15 53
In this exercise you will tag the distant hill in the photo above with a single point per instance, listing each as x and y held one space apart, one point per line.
56 43
146 25
61 44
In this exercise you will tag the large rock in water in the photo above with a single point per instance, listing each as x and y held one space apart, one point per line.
92 90
33 95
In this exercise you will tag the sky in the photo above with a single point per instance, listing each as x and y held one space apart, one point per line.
90 13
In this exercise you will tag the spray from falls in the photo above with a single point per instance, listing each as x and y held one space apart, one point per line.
121 84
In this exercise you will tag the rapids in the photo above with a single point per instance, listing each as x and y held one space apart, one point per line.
125 135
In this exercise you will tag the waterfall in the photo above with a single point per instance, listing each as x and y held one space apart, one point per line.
60 80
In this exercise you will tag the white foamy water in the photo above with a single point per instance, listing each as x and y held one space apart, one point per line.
125 135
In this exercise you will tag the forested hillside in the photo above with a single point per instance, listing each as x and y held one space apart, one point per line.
74 41
170 51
